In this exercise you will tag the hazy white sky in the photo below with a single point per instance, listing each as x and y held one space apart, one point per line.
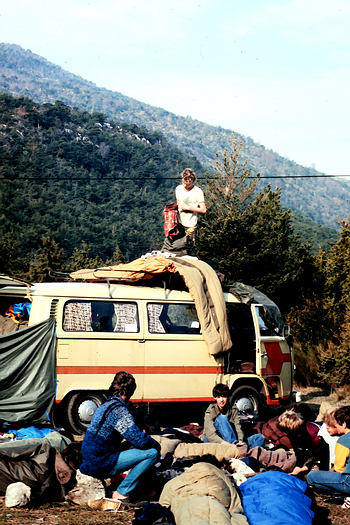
275 70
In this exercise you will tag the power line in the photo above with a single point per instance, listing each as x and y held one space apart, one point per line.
108 177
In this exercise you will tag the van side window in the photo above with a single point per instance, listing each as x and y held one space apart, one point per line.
100 316
172 318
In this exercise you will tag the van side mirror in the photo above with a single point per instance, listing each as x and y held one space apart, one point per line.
286 330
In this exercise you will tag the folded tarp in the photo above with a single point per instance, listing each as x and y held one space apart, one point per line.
200 279
28 373
276 498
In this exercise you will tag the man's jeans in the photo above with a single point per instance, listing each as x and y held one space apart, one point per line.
227 433
331 482
139 461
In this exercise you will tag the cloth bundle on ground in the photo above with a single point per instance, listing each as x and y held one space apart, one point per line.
275 498
203 495
215 449
167 444
282 459
38 466
85 490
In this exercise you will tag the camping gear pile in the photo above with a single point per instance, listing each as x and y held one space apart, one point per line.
194 482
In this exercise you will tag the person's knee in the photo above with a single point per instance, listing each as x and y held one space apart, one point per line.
153 453
310 478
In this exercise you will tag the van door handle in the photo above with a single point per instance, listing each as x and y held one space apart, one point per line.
141 340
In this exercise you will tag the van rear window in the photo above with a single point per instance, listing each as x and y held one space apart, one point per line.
100 316
172 318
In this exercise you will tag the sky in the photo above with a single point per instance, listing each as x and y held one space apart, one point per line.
277 71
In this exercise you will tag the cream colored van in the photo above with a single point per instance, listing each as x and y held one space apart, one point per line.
154 333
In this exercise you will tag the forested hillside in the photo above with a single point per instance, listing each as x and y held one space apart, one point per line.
26 74
78 177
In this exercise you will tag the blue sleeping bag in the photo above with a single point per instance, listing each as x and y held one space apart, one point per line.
276 498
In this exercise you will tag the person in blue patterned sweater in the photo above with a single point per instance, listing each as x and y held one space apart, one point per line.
112 421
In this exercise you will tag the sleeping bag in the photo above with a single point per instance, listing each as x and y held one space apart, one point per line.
275 498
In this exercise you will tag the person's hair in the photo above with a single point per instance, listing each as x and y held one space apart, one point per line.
188 174
123 384
221 390
328 416
342 415
290 420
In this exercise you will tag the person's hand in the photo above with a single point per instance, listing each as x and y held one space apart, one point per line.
239 443
298 470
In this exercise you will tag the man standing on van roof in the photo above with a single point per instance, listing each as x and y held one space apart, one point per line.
190 200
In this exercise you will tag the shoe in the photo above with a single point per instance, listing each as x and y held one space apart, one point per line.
346 504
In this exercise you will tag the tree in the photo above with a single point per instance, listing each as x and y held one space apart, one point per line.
81 258
117 257
49 258
321 322
249 237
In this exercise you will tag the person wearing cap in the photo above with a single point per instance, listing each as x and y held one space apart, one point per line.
190 200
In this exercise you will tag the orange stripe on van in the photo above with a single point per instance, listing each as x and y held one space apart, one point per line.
138 369
165 400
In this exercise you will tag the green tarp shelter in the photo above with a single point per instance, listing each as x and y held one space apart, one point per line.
28 374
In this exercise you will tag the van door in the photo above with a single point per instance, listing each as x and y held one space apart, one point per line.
178 366
274 359
96 339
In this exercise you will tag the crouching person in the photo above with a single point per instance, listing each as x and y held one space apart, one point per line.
112 421
222 421
337 482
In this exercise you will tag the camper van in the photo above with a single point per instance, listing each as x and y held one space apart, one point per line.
154 333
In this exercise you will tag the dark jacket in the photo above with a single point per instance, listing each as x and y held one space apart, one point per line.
211 414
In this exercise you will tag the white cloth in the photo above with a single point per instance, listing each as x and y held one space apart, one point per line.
188 198
330 440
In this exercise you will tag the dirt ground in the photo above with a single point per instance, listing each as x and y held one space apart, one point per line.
328 511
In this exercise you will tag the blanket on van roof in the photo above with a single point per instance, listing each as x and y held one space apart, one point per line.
201 280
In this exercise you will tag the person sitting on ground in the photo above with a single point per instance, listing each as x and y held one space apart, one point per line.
190 200
113 421
337 481
222 421
329 437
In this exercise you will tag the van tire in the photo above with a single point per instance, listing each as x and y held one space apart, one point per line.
247 399
79 409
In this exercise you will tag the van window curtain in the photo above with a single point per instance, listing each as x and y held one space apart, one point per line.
28 373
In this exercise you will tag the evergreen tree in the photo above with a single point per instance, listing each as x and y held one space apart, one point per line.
48 259
250 237
81 259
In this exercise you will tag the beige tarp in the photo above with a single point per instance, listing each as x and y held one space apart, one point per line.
200 279
203 494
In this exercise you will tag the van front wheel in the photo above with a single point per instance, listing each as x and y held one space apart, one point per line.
246 399
79 410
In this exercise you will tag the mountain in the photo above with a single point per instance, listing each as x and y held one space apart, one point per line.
79 178
23 73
